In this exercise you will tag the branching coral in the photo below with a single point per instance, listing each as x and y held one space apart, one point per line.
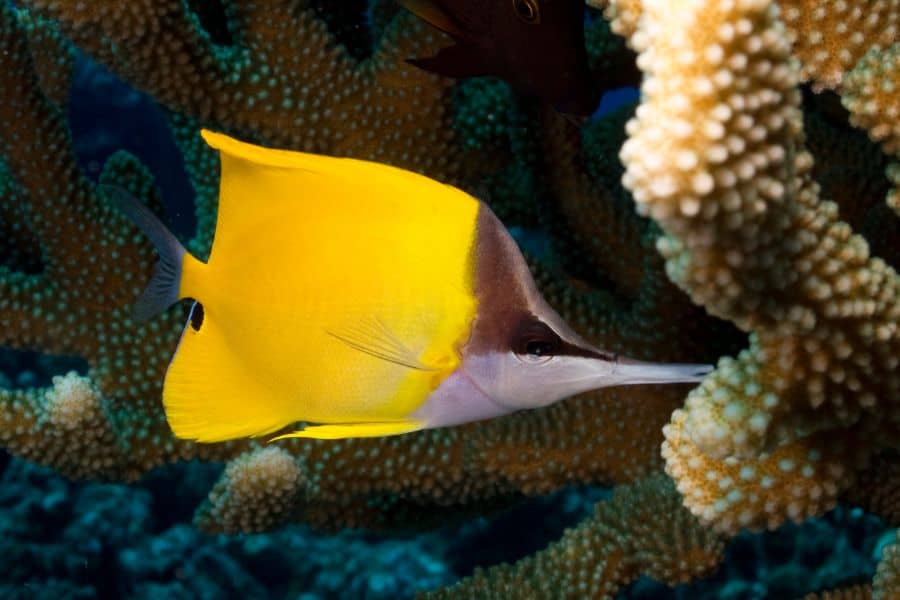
870 96
91 266
610 437
829 37
641 530
715 157
278 77
857 592
887 579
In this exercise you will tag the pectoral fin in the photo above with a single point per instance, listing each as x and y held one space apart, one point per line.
373 337
353 430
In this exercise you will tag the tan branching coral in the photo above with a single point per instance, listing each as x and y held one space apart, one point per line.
830 36
716 156
623 15
267 478
611 437
641 530
886 585
91 266
276 75
870 94
856 592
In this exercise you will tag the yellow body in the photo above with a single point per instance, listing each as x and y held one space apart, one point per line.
338 292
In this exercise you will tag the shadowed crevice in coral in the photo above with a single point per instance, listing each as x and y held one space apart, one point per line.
533 524
213 19
21 369
850 165
20 249
348 21
107 116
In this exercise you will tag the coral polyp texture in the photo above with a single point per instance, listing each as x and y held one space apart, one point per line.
716 155
725 203
830 37
640 530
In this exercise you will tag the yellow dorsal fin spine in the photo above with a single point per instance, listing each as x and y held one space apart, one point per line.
319 164
256 154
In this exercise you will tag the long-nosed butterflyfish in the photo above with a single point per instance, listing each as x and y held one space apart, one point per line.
360 300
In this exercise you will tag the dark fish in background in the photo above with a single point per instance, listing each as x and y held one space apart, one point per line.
535 45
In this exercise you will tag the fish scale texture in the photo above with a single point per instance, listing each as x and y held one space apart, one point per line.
830 37
792 419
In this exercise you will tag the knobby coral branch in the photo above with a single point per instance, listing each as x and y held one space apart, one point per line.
610 437
856 592
641 530
280 78
716 156
93 265
830 37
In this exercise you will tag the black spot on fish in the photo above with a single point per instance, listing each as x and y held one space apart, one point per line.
196 316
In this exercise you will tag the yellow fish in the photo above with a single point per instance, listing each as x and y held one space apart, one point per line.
363 300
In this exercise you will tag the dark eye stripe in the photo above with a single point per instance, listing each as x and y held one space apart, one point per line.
534 337
567 349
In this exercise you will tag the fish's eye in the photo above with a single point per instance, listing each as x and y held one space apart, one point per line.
539 348
537 351
535 342
527 11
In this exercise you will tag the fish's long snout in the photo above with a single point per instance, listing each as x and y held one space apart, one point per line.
582 374
632 372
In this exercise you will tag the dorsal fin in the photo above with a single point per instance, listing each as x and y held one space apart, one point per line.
434 13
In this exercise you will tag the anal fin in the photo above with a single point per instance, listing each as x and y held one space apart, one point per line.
352 430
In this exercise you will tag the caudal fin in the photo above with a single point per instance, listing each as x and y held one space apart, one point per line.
162 291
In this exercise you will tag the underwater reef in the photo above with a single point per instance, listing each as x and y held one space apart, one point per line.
744 213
